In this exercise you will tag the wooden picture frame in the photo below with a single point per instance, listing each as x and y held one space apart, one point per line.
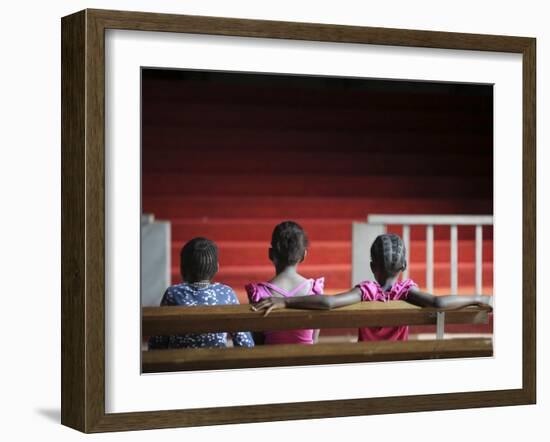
83 220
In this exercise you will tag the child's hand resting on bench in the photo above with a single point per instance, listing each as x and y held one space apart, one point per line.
269 304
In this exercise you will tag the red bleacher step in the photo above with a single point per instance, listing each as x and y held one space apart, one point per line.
339 275
260 229
254 229
257 183
331 252
177 207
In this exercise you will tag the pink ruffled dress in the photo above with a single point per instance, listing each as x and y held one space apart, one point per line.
262 290
371 291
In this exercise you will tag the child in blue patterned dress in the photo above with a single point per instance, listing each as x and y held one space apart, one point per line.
198 265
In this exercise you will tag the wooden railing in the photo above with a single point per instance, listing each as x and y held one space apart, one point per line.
231 318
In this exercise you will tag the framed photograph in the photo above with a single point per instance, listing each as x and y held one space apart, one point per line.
203 157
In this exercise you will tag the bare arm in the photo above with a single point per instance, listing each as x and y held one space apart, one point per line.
424 299
312 302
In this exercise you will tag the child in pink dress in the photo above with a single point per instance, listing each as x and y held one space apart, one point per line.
388 260
288 249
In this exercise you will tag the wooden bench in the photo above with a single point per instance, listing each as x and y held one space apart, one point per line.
230 318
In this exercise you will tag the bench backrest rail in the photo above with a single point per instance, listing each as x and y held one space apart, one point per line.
230 318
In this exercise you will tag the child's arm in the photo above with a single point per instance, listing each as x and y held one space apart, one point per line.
423 299
311 302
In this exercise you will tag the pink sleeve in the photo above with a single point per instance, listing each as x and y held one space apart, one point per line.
369 291
403 289
318 286
256 292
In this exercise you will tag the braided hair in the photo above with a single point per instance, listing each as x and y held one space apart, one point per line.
289 243
199 260
388 254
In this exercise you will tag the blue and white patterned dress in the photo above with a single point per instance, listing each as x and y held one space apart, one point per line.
187 294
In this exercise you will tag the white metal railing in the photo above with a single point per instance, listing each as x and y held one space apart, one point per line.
435 220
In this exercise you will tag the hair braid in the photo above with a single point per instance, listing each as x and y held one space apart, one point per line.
389 254
199 260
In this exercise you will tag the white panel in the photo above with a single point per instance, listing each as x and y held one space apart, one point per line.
430 258
407 243
434 219
454 259
479 259
363 235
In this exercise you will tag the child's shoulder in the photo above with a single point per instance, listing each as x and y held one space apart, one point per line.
224 294
256 284
177 294
178 288
372 291
257 291
405 285
219 287
318 285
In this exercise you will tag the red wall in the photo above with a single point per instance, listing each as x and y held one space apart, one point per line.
227 156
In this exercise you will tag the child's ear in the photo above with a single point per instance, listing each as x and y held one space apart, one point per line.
372 268
270 254
305 254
